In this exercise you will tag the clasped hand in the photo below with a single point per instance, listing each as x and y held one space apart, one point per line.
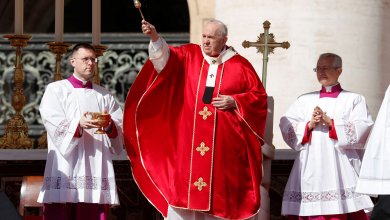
319 116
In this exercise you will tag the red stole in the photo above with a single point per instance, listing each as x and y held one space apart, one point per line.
203 145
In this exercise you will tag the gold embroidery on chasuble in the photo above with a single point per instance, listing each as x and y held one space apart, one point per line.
200 184
202 149
205 113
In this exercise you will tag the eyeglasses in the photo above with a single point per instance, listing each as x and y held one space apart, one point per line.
323 69
86 59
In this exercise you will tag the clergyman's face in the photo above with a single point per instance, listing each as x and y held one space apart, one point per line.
83 62
212 40
327 74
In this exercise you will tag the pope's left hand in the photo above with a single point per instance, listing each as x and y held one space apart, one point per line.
224 102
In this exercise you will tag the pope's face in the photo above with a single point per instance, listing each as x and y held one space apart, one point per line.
327 74
212 40
83 62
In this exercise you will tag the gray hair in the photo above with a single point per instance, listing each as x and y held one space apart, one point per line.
223 28
337 61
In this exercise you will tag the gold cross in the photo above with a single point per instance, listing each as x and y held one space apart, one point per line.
265 44
202 148
200 184
205 113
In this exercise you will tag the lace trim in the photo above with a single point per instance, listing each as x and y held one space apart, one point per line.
333 195
61 132
80 182
291 137
350 132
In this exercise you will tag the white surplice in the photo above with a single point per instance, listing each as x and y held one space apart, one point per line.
78 169
323 178
374 176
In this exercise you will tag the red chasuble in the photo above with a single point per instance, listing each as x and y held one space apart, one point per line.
188 154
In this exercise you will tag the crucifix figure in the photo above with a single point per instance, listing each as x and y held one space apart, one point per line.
265 44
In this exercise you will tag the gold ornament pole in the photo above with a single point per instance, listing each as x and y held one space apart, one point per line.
100 49
58 48
137 4
265 44
16 131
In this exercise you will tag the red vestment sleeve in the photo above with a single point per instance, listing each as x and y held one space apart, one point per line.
112 132
332 131
79 132
252 104
307 135
147 121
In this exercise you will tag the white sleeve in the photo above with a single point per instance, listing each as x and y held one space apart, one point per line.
374 176
117 117
159 53
353 131
59 127
292 125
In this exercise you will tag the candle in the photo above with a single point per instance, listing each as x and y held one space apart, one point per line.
59 21
18 17
96 22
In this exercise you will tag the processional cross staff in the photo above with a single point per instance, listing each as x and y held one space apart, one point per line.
265 44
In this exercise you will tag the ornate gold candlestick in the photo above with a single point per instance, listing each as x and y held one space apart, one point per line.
16 131
100 49
59 49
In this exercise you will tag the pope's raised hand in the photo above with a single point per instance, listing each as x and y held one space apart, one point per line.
150 30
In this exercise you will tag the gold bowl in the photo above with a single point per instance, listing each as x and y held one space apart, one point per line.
102 119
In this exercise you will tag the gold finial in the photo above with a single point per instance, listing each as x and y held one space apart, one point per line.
137 4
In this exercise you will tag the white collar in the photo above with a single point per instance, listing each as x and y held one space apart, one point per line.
223 56
329 88
83 81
